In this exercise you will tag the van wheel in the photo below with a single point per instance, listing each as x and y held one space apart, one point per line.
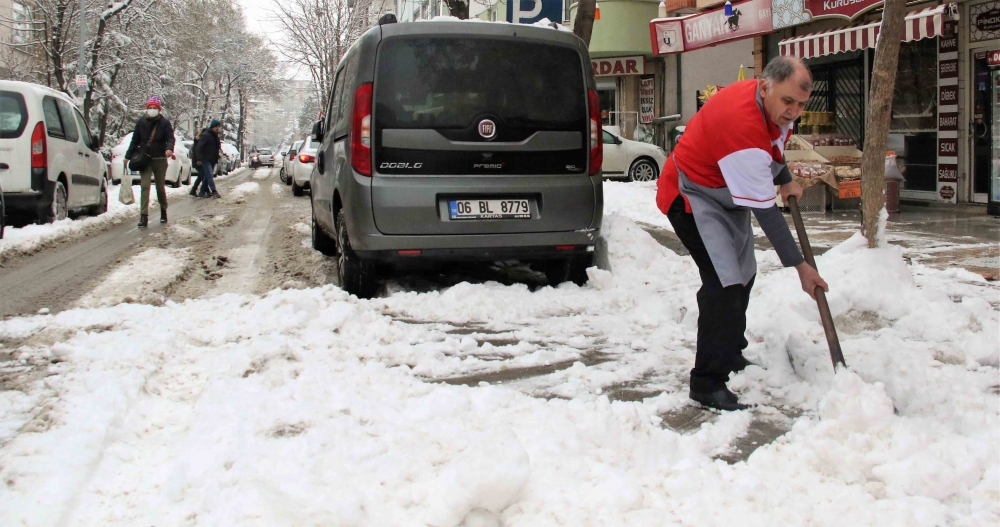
357 276
297 190
102 203
573 269
642 170
58 210
321 241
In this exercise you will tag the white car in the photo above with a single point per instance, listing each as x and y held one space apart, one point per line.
632 160
285 174
302 166
49 163
178 165
233 154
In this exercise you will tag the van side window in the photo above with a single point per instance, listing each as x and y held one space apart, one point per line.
52 122
69 126
334 104
347 97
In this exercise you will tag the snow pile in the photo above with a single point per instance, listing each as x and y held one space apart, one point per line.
142 279
243 190
313 407
20 241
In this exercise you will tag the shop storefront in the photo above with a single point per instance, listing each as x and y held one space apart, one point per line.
837 41
982 68
629 79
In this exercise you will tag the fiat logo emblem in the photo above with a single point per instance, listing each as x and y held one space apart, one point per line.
487 129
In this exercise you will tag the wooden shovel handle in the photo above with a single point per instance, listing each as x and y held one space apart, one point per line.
836 354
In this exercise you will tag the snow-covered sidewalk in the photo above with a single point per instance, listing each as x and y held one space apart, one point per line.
310 407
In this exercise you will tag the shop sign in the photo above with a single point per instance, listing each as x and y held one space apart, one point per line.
948 173
993 57
947 147
948 96
947 192
749 19
713 27
849 9
615 66
948 122
984 21
989 21
948 69
646 100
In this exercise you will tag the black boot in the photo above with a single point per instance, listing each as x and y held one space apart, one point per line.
163 215
721 399
143 220
216 195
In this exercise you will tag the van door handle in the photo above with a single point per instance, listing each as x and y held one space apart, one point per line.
319 162
4 166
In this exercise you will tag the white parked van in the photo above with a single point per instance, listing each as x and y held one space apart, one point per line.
50 165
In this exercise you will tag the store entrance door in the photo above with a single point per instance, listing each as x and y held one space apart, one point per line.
984 104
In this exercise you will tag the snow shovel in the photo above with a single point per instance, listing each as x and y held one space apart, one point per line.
824 308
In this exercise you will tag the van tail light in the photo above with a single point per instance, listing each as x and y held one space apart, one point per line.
596 140
39 157
307 159
361 131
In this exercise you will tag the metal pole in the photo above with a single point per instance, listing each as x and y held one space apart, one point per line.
83 37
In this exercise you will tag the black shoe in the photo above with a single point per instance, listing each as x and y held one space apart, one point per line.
143 220
721 399
741 364
193 193
163 215
216 195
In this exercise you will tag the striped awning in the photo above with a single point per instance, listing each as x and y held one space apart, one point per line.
925 23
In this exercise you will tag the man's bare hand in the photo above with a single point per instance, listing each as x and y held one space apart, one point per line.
790 189
810 279
169 153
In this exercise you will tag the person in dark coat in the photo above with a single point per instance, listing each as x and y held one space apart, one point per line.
159 149
196 163
207 151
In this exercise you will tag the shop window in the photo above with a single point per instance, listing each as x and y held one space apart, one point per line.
914 114
839 88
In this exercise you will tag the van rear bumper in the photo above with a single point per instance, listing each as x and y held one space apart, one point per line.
31 204
493 247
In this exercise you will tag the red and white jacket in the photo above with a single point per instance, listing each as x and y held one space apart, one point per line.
730 143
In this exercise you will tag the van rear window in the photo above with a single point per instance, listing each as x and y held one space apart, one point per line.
443 82
13 115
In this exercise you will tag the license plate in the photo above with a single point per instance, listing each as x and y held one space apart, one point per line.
489 209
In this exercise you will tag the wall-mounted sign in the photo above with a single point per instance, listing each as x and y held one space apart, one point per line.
849 9
993 57
749 19
984 21
615 66
531 11
646 100
947 140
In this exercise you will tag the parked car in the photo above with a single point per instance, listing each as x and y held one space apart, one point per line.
285 174
302 166
233 154
262 157
632 160
53 166
493 154
178 165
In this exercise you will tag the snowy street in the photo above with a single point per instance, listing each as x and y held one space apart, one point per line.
212 372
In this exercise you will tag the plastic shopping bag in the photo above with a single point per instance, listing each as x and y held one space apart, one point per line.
125 194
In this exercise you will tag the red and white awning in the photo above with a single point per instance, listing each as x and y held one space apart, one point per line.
925 23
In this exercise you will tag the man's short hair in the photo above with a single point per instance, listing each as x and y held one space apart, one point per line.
780 68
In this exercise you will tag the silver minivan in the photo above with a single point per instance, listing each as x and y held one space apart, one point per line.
50 163
457 140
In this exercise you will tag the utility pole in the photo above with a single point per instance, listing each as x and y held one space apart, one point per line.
80 71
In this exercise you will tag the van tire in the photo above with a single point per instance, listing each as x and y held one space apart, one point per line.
573 269
357 276
321 241
58 209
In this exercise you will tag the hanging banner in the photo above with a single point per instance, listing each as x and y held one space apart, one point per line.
849 9
750 18
947 147
646 100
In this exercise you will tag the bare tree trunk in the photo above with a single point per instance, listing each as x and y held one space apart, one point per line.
243 119
879 115
583 24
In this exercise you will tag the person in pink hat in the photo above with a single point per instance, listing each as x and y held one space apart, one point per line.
153 133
